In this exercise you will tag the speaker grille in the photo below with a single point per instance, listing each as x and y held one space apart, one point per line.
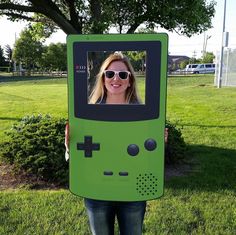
146 184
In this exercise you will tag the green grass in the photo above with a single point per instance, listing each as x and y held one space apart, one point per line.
21 98
42 212
201 202
207 114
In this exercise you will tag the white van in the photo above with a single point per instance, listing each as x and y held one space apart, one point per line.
189 67
204 68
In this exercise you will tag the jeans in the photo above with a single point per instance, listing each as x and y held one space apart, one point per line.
102 214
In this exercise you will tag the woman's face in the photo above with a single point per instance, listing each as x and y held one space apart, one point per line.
116 85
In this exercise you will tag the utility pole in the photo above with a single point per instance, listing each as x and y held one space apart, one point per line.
204 49
204 41
14 65
222 49
194 56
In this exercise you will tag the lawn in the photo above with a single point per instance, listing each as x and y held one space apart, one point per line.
201 201
21 98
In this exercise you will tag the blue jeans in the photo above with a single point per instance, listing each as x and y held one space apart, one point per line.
102 214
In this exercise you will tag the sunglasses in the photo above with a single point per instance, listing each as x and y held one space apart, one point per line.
123 75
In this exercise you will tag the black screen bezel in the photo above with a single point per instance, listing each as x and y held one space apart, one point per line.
116 112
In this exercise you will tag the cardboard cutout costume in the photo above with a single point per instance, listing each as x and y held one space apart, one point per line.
117 150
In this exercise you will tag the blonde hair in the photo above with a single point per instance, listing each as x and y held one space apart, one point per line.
99 91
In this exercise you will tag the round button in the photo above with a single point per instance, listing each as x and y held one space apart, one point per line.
133 149
150 144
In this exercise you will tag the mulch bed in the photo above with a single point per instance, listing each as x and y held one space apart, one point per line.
11 180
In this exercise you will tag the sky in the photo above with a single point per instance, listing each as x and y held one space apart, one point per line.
178 45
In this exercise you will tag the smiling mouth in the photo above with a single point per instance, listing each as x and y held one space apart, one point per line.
116 85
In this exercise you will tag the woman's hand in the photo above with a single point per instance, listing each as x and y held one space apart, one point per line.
67 141
166 135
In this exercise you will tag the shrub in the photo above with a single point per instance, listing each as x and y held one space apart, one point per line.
175 148
36 145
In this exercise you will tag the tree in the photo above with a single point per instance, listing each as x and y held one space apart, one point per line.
27 50
193 60
8 53
183 64
92 16
208 57
42 30
139 58
2 58
54 57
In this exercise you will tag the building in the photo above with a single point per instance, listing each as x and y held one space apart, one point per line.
174 61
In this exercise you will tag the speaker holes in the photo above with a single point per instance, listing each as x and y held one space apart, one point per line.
147 184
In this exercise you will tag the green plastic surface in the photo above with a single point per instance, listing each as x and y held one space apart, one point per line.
145 179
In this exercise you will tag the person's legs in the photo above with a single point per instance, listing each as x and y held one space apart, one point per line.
101 216
130 217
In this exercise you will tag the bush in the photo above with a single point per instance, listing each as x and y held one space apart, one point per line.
175 148
36 145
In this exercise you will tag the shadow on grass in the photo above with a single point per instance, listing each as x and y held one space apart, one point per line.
205 126
214 170
10 118
26 78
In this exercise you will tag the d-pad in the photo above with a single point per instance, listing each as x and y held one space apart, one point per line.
88 146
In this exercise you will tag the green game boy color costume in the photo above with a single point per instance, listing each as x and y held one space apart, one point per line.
117 151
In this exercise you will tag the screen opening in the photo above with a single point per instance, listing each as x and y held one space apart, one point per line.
116 77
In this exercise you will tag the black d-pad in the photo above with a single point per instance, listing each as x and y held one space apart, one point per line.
88 146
